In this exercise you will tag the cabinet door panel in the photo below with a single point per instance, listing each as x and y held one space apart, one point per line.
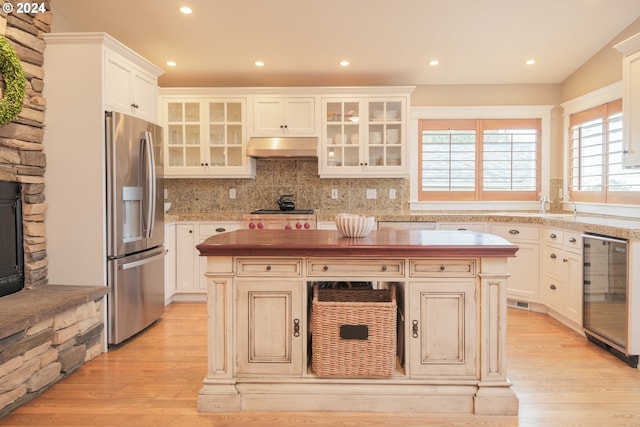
443 337
270 328
525 272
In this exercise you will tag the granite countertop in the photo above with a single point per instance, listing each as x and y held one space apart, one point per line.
380 243
622 227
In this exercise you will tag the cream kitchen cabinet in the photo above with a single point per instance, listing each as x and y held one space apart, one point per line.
363 137
205 136
630 48
523 285
190 282
562 282
170 262
284 116
271 327
442 339
131 89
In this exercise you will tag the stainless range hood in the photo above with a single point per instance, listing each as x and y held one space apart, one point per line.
283 147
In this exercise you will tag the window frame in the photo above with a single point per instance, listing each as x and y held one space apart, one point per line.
542 112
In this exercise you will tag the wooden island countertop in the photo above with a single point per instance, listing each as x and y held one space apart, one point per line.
415 243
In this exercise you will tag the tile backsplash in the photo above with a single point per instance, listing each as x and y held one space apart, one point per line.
279 176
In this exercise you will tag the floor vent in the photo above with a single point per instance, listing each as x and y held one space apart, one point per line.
518 304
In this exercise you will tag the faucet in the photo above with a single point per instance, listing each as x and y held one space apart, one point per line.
543 204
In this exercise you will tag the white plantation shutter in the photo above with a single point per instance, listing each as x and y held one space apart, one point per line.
479 159
595 157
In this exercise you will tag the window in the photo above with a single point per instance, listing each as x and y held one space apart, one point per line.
595 157
491 159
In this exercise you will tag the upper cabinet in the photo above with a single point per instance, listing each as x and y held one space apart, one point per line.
284 116
127 83
205 136
130 89
364 136
362 130
630 48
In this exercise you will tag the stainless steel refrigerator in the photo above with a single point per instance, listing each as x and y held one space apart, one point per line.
135 225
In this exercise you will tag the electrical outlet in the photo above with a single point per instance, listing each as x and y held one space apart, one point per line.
334 193
232 193
392 193
372 193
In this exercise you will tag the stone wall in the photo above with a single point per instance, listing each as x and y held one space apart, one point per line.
22 158
33 358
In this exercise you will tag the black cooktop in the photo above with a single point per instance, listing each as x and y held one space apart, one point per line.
278 211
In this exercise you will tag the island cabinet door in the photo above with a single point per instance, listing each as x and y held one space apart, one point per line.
442 329
271 328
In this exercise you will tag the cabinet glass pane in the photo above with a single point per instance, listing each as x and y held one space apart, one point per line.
216 112
234 134
351 156
217 156
175 156
175 135
234 156
393 155
192 112
216 135
376 156
392 135
174 112
234 112
192 134
192 156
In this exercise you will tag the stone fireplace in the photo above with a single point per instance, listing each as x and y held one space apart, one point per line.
22 158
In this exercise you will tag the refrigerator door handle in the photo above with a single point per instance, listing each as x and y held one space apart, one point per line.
135 264
147 143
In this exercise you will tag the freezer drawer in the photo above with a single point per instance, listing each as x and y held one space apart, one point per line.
136 298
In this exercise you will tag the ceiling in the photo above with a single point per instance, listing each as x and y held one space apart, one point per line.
388 42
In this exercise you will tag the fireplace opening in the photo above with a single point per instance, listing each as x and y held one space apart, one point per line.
11 252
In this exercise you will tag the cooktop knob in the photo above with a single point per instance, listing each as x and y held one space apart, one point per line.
287 227
260 225
298 225
252 225
307 225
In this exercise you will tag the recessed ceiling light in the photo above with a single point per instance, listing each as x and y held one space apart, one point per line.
171 63
434 62
344 63
186 10
259 64
529 61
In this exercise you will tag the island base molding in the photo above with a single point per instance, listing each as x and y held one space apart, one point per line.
341 397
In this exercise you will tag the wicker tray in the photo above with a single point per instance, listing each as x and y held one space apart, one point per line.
353 332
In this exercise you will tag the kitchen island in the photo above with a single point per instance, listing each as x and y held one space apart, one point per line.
451 328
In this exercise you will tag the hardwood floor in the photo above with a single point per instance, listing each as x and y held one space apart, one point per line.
153 381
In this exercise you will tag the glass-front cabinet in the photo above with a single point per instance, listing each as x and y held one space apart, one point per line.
206 137
363 137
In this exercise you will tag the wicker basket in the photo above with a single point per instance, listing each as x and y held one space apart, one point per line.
353 332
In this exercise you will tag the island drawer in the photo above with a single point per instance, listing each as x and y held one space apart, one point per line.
355 267
442 268
284 267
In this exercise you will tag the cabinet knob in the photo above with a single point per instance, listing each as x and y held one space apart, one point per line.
220 230
414 329
268 268
384 268
325 268
442 268
572 240
553 256
134 105
553 287
553 235
514 231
